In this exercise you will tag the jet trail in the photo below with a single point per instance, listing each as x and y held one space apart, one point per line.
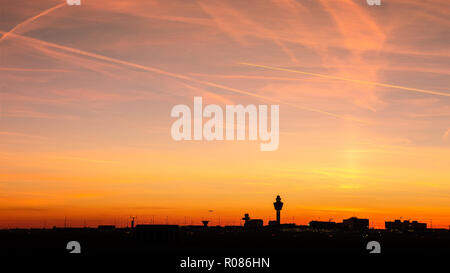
178 76
29 20
351 80
32 69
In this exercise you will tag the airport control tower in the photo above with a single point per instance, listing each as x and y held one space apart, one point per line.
278 206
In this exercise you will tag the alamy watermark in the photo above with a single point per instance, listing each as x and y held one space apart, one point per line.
73 2
231 127
373 2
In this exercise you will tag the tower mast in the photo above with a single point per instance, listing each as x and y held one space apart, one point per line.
278 205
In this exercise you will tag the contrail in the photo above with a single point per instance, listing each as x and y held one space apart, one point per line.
29 20
351 80
179 76
32 69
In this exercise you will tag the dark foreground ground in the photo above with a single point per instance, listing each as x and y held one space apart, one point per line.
236 250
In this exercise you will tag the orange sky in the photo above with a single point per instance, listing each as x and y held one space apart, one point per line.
86 93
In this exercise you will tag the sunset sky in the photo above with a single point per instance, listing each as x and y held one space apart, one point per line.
86 93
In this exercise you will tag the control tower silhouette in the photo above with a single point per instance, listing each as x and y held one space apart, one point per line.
278 205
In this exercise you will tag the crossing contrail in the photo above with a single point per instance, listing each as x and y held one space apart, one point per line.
155 70
29 20
351 80
179 76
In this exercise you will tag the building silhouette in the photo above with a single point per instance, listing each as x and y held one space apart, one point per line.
157 233
278 205
350 224
252 223
406 225
349 236
355 223
106 227
322 225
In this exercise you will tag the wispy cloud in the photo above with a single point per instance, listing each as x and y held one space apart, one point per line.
14 69
446 135
16 134
183 77
353 80
29 20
